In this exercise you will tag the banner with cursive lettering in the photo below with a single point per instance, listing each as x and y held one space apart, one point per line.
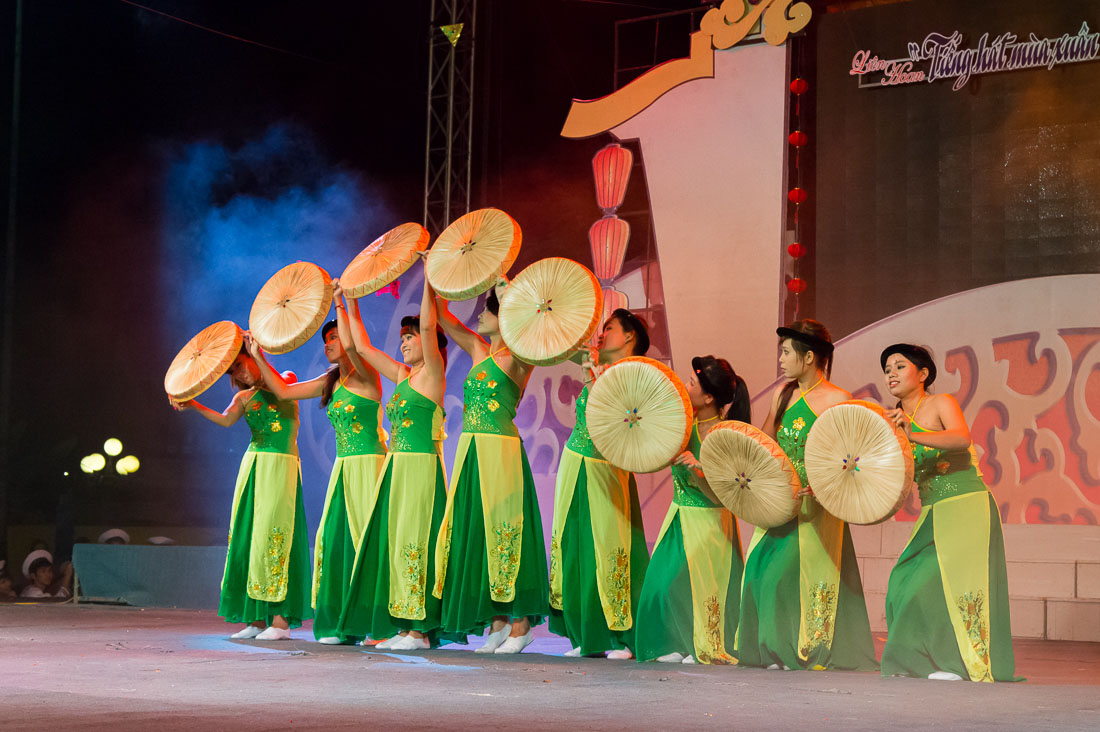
941 56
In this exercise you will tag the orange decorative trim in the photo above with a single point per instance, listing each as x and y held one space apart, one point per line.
721 28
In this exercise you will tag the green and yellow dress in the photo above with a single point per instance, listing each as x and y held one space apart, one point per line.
598 554
947 601
352 490
490 557
393 565
802 600
267 565
692 591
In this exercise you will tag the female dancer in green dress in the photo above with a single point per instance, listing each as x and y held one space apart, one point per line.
387 597
351 393
490 557
689 605
598 554
802 600
947 601
266 581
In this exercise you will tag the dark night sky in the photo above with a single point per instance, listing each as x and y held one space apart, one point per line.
110 92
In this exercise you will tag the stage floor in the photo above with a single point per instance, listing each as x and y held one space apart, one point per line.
119 668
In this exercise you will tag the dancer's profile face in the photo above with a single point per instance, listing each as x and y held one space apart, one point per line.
696 393
487 323
245 371
613 339
411 351
902 376
792 363
334 349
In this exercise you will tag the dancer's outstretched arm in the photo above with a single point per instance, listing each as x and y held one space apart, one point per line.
274 381
371 356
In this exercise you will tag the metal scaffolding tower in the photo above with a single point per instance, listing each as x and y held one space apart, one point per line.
448 150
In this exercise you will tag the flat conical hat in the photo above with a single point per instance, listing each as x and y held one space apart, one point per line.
204 360
750 474
549 310
472 253
639 415
384 260
290 308
858 463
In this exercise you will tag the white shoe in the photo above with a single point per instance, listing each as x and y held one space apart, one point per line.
274 634
409 643
777 667
246 633
493 641
330 640
575 653
389 643
944 676
621 654
688 659
516 644
671 658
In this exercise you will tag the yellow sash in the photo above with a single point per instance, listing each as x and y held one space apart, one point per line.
709 564
500 475
961 530
609 509
820 544
361 474
274 501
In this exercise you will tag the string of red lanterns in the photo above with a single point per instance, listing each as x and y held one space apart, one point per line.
610 235
797 195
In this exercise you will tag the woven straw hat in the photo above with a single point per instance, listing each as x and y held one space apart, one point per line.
549 310
859 464
639 415
204 360
750 474
290 307
384 260
472 253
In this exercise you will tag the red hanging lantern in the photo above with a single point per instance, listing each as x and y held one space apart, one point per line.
796 250
797 195
612 301
608 238
798 138
611 168
800 86
796 285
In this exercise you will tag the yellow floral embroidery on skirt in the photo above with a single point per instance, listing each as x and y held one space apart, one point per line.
819 616
618 587
276 582
416 565
971 605
555 568
505 550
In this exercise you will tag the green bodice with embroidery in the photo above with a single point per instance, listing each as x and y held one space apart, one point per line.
943 474
684 490
490 399
274 424
355 420
580 441
793 429
416 422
